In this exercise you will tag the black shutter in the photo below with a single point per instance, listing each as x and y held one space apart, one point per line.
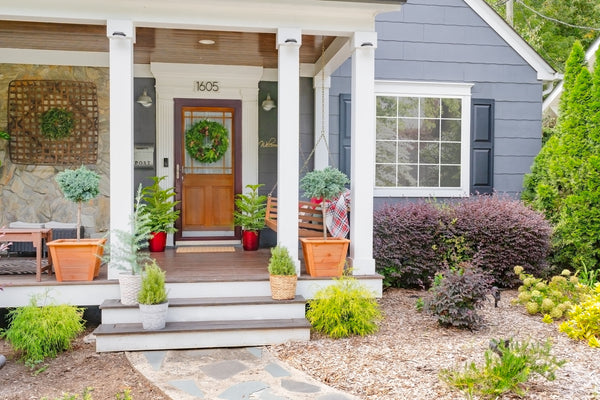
482 146
345 133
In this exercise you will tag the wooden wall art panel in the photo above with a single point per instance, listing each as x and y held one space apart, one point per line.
28 100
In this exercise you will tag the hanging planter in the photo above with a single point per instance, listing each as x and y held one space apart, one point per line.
206 141
57 123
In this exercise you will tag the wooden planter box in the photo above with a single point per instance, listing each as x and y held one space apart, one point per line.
325 257
76 260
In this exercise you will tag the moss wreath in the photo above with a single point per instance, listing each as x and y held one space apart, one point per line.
57 123
206 141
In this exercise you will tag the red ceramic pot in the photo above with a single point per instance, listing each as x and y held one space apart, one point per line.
250 240
157 242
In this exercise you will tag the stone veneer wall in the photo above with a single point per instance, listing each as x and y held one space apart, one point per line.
29 193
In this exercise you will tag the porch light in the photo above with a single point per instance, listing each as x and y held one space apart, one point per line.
144 99
268 104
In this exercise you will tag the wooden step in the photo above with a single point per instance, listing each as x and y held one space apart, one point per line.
201 334
210 309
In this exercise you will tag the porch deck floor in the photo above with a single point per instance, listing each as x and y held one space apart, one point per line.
180 267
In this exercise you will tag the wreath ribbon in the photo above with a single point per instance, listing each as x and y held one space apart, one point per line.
206 141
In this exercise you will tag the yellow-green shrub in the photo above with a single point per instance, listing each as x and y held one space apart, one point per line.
584 320
552 299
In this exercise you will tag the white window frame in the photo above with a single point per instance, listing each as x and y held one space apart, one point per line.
442 90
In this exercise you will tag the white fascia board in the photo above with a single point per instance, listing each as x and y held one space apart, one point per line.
544 71
314 16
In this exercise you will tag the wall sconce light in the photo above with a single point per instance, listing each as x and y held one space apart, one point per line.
268 104
144 99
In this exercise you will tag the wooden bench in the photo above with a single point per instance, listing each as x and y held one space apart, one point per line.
310 218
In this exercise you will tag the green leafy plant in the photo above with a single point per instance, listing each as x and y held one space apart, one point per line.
42 331
153 289
281 262
588 277
125 252
344 308
5 136
507 369
250 209
87 395
458 294
57 123
325 184
554 298
584 320
159 206
79 186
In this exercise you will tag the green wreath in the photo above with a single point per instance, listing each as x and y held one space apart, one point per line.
206 141
57 123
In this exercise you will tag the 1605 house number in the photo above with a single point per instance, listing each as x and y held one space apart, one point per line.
206 86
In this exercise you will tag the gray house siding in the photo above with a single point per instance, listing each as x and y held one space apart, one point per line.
446 41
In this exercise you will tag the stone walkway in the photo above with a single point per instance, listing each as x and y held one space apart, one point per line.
230 374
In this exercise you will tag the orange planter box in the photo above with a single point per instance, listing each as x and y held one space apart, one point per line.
76 260
325 257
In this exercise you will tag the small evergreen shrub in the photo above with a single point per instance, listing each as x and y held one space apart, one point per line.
281 262
584 320
506 370
456 296
87 395
405 237
553 299
153 290
412 241
343 309
39 332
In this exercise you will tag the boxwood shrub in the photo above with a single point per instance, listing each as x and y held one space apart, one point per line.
412 241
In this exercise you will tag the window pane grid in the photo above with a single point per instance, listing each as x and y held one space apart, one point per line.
426 143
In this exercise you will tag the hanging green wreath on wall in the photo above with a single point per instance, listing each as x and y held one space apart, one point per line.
206 141
57 123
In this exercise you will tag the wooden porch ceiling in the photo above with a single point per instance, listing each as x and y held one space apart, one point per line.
160 45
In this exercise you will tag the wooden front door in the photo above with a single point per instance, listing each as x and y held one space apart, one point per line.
206 189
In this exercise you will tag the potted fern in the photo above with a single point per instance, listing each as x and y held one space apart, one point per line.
77 259
250 215
160 207
152 297
282 274
326 256
125 253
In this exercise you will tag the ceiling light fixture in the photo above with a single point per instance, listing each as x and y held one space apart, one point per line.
206 41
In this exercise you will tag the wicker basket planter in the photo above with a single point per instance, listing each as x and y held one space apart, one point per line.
283 287
76 260
130 285
325 257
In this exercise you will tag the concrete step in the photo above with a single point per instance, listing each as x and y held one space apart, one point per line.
210 309
201 334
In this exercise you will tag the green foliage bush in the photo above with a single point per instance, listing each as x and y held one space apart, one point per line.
153 290
505 372
554 298
343 309
584 320
281 262
39 332
325 183
159 205
87 395
250 209
456 296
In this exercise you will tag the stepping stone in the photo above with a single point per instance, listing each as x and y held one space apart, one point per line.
267 395
155 358
255 351
224 369
299 387
2 361
243 391
276 370
189 387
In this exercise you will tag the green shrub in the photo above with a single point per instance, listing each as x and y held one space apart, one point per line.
153 290
552 299
281 262
86 395
344 308
456 296
43 331
584 320
507 372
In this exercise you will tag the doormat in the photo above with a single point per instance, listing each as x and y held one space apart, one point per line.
206 249
13 266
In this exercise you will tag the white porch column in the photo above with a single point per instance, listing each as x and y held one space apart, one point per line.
321 87
288 135
363 152
121 36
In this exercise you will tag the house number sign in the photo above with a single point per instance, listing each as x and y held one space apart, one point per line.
206 86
